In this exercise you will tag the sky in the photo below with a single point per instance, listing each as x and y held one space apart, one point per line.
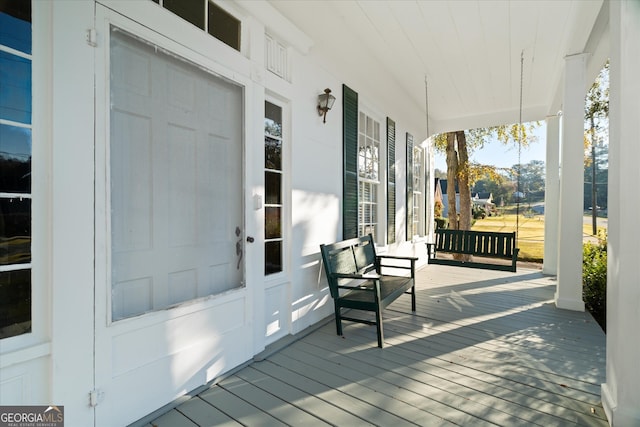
496 154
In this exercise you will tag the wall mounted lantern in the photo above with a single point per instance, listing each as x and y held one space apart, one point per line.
325 102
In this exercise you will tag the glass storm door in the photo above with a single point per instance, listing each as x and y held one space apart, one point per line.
176 180
171 299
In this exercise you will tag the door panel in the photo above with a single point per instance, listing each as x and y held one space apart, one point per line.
171 299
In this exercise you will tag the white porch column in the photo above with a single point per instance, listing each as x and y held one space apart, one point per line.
569 288
621 392
551 196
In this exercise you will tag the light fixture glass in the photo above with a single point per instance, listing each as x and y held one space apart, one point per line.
325 103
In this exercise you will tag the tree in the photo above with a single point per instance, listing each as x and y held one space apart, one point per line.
532 179
457 146
499 187
596 115
601 163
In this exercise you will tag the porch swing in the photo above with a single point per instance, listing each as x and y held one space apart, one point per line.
476 243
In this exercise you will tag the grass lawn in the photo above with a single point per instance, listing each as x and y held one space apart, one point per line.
530 233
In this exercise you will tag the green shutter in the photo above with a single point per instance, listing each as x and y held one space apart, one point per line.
391 181
409 186
350 163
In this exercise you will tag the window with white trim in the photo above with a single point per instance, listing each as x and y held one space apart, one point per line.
418 186
368 174
15 168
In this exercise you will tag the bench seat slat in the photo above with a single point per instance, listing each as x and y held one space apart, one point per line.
391 287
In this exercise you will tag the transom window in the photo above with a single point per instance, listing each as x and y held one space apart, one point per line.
368 174
15 168
207 16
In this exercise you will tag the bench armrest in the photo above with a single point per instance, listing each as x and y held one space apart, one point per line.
366 276
403 266
431 250
411 259
408 258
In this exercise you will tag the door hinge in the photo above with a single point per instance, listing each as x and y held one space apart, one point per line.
92 38
95 397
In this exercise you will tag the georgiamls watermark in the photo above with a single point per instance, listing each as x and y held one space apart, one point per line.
32 416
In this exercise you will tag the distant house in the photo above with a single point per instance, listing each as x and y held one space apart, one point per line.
485 201
445 198
437 193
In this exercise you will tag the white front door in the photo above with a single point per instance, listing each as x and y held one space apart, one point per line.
171 297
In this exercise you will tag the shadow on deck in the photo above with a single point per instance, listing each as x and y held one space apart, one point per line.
484 348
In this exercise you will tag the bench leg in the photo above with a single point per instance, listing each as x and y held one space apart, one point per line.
413 298
338 319
379 327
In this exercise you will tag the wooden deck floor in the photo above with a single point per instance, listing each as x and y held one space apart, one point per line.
484 348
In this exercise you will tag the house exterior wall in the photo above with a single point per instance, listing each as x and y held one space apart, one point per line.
55 364
445 204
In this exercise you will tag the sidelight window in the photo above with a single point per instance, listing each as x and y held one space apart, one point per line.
273 177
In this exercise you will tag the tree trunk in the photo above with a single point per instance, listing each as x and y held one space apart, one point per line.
463 182
452 172
463 187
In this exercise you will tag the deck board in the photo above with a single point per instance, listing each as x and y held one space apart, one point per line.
275 383
483 348
351 396
441 374
264 400
370 387
328 400
238 408
444 373
173 418
204 414
399 382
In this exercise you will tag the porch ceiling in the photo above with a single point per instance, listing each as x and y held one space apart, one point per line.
469 50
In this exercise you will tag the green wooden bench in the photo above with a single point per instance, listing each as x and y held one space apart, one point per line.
354 273
489 244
